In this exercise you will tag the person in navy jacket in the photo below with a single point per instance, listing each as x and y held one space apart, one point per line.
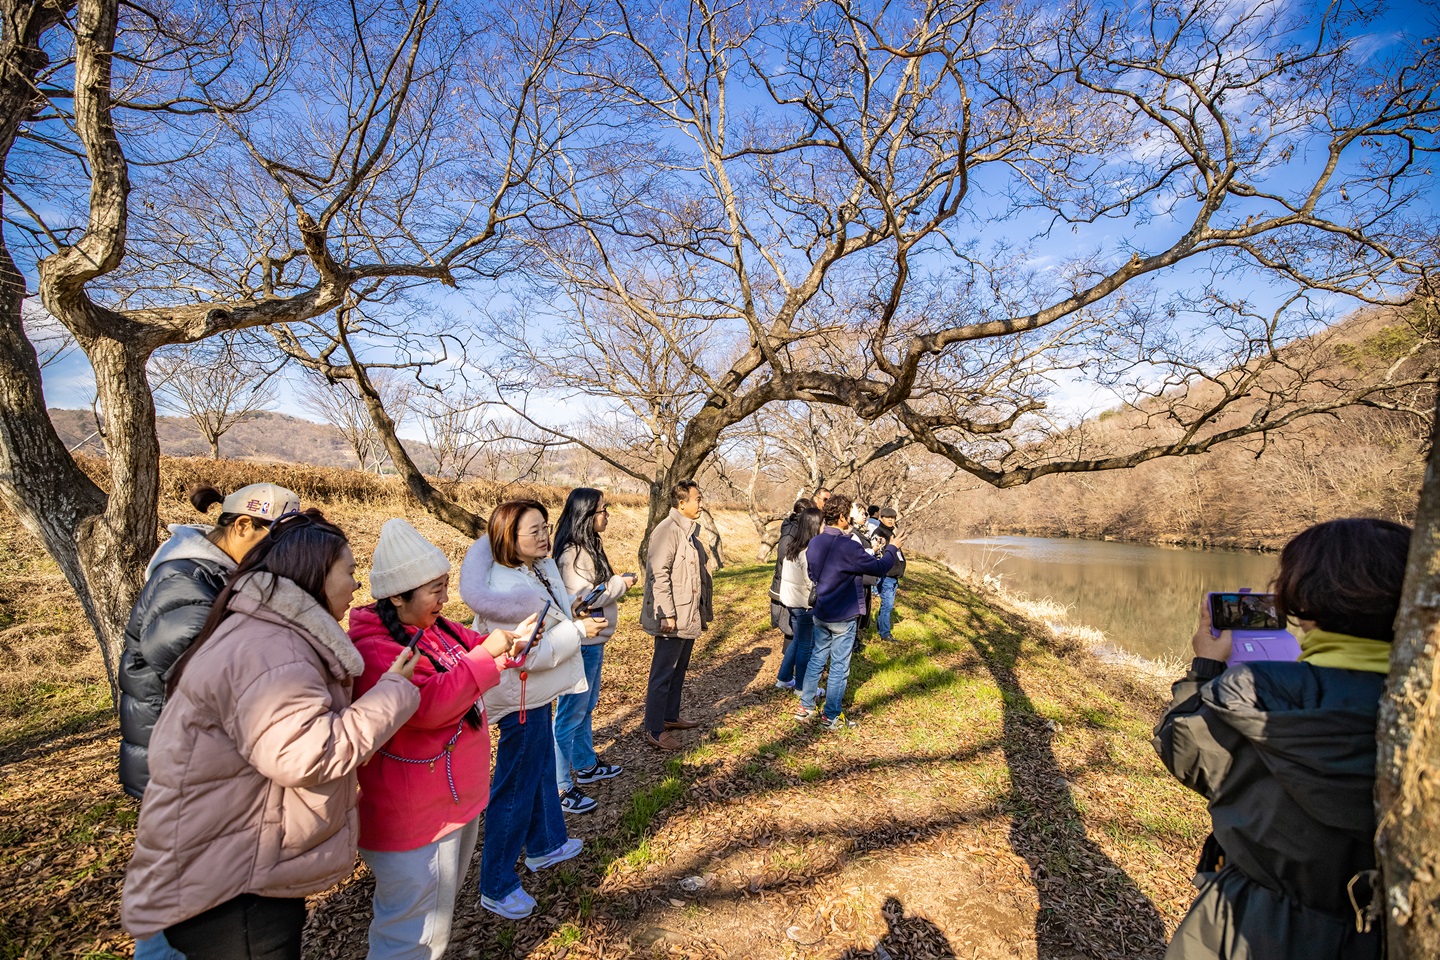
837 564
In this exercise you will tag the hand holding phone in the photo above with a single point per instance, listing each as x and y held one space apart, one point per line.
1207 642
522 648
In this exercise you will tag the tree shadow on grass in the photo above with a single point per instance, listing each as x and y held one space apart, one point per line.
1088 904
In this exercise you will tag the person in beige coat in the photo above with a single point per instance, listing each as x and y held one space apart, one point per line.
676 610
252 797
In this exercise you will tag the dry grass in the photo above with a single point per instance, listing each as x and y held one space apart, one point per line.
999 799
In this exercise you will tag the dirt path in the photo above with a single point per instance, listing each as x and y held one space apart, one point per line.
999 799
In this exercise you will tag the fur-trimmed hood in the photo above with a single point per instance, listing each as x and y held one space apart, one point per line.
279 600
506 599
190 542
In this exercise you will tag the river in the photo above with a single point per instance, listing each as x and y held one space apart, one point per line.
1144 598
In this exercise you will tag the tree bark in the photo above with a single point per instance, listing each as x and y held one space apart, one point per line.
1407 780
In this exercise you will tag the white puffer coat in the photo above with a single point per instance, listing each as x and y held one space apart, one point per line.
502 597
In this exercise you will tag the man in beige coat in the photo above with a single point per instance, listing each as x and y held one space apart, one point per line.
677 609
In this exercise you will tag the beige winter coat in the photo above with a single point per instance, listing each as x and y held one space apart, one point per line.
677 579
578 572
252 765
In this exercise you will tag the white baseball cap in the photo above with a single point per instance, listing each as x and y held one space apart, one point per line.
265 501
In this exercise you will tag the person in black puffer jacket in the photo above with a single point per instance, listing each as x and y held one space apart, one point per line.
1285 755
183 579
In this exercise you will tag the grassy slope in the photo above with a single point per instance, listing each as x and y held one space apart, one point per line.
999 798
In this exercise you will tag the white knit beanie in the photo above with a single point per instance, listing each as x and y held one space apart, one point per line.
404 560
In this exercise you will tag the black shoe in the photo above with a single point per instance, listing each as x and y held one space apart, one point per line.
601 771
575 801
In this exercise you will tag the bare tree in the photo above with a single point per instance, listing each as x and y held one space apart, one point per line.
829 214
166 189
213 383
1407 801
339 404
455 432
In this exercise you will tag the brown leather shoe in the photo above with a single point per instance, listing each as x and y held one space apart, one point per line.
666 740
681 724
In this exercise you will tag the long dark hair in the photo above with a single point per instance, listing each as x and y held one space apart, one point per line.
807 527
1346 576
390 617
577 528
301 548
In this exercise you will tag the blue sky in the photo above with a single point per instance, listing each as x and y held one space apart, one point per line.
69 383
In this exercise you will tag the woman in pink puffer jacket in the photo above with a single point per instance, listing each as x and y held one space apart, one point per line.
251 804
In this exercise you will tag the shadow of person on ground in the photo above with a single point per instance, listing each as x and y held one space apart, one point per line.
1088 904
908 938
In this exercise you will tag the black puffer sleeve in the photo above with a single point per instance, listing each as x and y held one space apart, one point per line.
179 603
1186 736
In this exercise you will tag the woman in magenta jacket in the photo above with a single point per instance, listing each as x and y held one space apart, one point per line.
422 795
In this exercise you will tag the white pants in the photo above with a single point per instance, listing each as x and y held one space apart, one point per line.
415 894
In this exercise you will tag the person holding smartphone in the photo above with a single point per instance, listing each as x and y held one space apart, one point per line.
1284 754
422 795
508 575
586 570
253 767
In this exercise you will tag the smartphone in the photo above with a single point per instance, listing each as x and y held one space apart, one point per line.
1244 611
534 635
588 602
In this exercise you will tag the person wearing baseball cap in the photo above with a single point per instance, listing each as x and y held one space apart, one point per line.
182 581
423 794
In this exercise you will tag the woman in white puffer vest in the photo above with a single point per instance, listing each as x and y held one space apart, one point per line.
507 576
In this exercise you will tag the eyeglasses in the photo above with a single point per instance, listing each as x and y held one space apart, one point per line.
605 509
539 533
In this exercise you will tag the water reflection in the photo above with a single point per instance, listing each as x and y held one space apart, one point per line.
1145 598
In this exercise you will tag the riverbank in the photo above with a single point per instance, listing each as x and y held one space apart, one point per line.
998 799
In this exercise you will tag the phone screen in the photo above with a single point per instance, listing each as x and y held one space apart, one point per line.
1244 611
534 634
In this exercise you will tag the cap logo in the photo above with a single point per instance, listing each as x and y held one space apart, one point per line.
263 506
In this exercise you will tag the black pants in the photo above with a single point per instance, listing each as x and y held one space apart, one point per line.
667 679
249 927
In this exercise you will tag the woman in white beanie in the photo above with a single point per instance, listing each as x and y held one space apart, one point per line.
422 796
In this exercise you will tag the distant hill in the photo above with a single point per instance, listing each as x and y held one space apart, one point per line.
1361 461
273 437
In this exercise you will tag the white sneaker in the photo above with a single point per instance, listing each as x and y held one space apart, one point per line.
784 684
517 906
568 849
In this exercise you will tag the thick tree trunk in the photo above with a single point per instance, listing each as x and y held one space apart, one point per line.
40 483
1407 782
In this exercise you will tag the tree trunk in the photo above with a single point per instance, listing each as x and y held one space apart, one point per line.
1407 780
214 448
40 483
438 504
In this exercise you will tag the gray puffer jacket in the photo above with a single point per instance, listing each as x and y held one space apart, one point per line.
1285 755
185 576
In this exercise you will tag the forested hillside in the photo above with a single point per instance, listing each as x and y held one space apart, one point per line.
1363 461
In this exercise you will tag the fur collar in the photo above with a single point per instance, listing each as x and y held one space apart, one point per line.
501 594
283 599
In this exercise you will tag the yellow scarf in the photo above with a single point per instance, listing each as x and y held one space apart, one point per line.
1325 649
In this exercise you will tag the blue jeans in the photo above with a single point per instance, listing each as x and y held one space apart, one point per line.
833 642
156 948
887 605
524 812
574 713
797 655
